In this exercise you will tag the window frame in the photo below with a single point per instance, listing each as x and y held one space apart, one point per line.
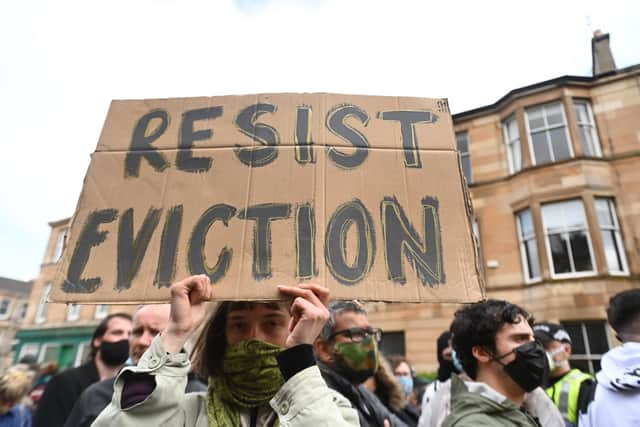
521 242
73 312
615 228
588 356
566 231
7 314
592 125
41 312
100 308
465 154
534 162
43 350
29 348
509 144
80 352
58 249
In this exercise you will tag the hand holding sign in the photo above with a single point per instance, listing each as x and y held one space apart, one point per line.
308 311
188 299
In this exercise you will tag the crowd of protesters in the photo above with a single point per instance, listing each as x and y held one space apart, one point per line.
306 361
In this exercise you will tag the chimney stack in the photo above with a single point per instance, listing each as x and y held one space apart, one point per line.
602 58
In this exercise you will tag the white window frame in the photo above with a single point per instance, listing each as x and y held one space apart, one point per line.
465 154
522 240
615 228
41 313
58 249
102 311
546 129
588 355
44 348
510 143
20 313
591 125
565 232
78 360
31 348
6 314
73 312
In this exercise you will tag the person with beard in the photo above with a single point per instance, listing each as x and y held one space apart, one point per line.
109 351
148 321
347 352
616 402
257 356
494 342
570 389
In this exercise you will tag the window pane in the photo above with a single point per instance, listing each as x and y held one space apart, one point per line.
554 114
611 251
466 168
512 129
597 337
574 214
603 212
577 339
532 259
526 222
580 249
581 113
587 141
560 144
583 365
534 115
540 148
596 366
392 343
560 254
553 216
462 142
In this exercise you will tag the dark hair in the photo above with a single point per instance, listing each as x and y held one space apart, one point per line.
477 325
210 346
624 309
396 360
102 329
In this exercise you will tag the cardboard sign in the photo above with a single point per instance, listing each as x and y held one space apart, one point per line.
361 194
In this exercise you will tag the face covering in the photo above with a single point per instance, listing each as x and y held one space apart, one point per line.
114 353
553 364
356 361
530 368
407 384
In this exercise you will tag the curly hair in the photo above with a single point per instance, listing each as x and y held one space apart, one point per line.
477 325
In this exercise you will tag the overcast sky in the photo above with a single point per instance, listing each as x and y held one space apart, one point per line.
62 62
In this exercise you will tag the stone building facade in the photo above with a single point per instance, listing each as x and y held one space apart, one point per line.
554 174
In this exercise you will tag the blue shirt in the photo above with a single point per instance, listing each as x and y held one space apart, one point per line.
18 416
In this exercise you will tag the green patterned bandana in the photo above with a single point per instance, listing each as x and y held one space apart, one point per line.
356 361
250 378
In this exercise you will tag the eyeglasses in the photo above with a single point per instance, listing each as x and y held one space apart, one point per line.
359 334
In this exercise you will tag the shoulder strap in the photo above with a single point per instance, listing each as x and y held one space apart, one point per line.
587 394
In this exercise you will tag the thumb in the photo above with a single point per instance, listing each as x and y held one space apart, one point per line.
387 423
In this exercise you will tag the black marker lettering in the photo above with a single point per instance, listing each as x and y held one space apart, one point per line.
302 137
260 132
131 251
335 247
305 242
89 238
263 215
336 124
169 248
408 120
401 238
184 159
196 260
141 144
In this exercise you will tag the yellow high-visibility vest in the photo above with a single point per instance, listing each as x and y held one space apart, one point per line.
565 392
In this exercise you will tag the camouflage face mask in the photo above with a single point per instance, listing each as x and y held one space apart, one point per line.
356 361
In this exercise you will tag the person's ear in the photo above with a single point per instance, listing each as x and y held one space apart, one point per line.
323 350
481 354
567 348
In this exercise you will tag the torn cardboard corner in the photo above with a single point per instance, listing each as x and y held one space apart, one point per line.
361 194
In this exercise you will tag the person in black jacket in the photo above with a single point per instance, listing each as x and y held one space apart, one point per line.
109 351
347 349
148 321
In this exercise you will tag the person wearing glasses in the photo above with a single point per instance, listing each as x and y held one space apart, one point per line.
347 352
257 356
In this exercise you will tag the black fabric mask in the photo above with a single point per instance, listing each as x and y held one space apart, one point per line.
530 368
114 353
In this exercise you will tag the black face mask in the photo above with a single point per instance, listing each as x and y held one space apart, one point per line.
530 368
114 353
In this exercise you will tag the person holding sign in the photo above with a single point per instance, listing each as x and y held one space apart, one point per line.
258 357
